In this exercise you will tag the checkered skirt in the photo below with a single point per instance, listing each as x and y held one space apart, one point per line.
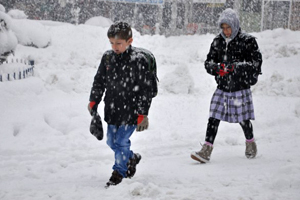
232 107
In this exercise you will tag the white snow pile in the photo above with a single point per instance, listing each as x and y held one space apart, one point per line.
2 8
179 76
28 32
47 152
99 21
17 14
31 33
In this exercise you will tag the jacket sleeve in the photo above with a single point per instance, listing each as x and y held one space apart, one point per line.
144 90
99 83
211 61
253 59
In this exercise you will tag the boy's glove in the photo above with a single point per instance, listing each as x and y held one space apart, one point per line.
96 128
92 107
142 123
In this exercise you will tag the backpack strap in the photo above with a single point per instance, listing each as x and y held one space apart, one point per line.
152 64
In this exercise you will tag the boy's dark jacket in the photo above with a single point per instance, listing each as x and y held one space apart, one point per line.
126 81
243 52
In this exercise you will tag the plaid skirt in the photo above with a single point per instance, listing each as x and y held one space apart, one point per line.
233 107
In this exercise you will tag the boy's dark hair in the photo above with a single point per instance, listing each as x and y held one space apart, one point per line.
121 30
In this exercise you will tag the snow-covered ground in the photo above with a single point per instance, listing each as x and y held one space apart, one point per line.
47 152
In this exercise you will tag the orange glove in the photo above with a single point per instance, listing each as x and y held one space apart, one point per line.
92 107
142 123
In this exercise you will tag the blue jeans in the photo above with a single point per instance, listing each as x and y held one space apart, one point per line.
118 141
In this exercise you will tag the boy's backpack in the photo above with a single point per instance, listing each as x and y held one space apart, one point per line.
152 68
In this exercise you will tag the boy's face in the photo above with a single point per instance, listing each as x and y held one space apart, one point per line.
226 30
119 45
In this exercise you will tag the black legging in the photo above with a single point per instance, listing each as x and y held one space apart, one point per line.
213 124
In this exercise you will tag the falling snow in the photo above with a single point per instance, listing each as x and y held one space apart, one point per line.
47 152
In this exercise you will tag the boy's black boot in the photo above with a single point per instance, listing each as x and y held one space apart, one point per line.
115 179
132 165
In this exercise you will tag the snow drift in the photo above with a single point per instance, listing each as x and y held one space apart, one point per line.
99 21
17 14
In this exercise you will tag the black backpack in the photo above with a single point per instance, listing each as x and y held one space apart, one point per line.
152 68
255 72
253 78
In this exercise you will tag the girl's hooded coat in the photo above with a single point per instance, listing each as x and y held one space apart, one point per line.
241 51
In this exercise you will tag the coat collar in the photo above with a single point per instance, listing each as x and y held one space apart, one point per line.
125 54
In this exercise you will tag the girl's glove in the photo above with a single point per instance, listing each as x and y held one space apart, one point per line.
142 123
223 69
230 67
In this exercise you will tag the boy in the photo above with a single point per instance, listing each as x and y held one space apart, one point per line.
125 78
235 61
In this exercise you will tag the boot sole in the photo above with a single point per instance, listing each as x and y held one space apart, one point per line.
250 156
139 159
201 160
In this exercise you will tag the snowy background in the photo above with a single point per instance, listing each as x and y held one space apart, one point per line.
47 152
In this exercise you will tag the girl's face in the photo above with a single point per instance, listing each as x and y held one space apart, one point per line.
226 30
119 45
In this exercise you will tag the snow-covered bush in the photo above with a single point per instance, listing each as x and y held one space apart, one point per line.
99 21
25 32
31 33
8 40
2 9
17 14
